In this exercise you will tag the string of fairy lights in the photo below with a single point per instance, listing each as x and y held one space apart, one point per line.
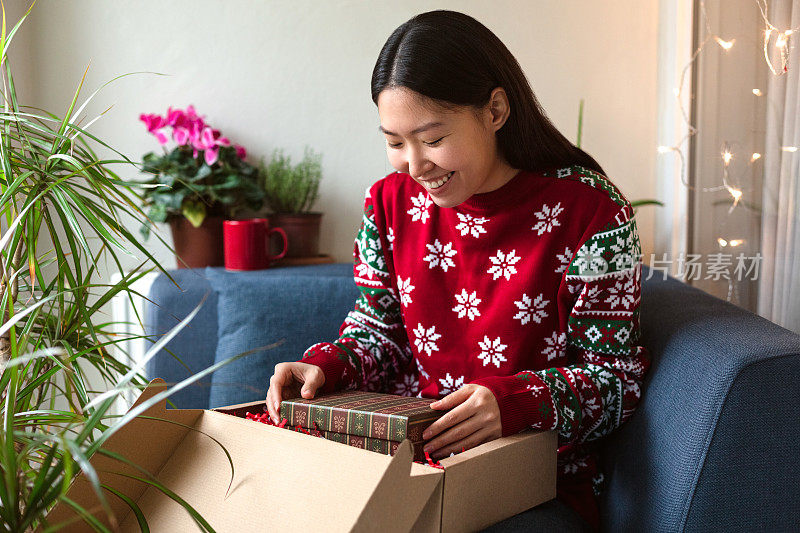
780 41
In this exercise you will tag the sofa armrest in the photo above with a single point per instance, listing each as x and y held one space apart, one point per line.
194 347
713 443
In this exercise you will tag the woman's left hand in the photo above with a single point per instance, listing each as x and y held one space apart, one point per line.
473 420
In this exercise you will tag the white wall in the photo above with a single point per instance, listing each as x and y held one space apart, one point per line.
284 74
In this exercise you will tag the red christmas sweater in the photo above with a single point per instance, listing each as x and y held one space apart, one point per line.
531 290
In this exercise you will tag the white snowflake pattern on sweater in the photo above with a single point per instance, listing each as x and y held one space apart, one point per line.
450 384
420 210
589 260
621 294
421 369
491 351
408 386
547 218
467 304
440 255
556 345
470 225
564 260
426 339
531 310
404 287
503 264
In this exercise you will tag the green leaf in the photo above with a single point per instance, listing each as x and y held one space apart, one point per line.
195 212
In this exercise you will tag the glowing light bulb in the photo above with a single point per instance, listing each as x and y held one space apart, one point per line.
789 148
664 149
755 156
722 242
725 44
726 156
735 242
736 193
757 92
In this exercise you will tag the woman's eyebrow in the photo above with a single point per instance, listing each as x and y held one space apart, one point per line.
422 128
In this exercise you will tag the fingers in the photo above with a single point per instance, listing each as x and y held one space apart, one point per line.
454 398
311 377
475 438
274 395
460 413
286 382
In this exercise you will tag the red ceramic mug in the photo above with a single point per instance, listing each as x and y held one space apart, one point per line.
247 244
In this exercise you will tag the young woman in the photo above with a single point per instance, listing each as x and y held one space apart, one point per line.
499 268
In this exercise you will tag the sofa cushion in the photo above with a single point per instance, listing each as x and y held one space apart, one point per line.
297 306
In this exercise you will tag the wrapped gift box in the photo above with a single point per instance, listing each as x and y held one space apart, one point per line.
387 417
270 479
365 420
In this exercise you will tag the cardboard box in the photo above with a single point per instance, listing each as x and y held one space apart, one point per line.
289 481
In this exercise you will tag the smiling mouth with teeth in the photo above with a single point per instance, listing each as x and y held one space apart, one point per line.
438 183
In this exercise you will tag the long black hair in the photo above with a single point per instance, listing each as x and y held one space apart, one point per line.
456 61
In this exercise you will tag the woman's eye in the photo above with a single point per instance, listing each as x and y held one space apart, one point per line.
432 143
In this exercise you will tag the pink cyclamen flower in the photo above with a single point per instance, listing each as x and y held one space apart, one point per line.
211 155
161 137
207 138
218 139
189 129
175 117
152 121
180 135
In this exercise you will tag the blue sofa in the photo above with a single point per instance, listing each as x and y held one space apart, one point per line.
713 445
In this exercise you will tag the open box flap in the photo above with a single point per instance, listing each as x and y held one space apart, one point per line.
148 453
283 480
399 495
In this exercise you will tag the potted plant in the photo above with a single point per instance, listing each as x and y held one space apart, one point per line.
196 185
61 207
290 192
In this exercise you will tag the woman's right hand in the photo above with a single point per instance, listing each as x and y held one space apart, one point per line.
291 380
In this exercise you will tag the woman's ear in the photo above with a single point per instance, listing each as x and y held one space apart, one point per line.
499 108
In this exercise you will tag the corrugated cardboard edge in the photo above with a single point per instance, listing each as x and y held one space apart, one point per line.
124 442
399 495
528 461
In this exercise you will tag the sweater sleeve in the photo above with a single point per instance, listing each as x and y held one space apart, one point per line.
593 396
372 347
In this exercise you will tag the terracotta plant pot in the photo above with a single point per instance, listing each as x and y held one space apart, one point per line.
302 230
197 247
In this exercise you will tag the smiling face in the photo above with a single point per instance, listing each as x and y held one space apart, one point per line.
430 143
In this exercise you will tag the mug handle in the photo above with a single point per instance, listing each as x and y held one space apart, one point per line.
285 243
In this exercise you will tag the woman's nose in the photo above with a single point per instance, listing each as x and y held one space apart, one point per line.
418 166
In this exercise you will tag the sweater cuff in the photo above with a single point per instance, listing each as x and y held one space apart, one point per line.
332 360
524 401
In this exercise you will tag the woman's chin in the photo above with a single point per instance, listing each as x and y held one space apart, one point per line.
449 200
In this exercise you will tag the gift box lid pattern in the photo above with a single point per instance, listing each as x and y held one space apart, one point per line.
365 414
